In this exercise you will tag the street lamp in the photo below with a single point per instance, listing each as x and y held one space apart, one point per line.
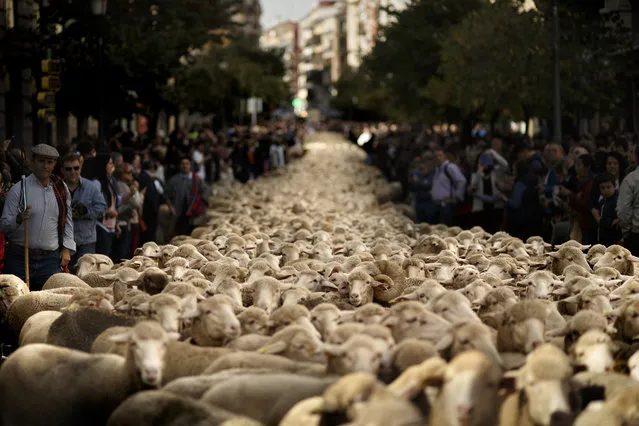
98 8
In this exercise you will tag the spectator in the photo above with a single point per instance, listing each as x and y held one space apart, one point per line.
628 208
449 187
50 221
608 229
128 212
87 206
199 159
523 212
185 195
488 207
86 150
421 183
100 170
153 198
584 225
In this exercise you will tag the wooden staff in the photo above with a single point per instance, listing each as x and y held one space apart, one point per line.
26 232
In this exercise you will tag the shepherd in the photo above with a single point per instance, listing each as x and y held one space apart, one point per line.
47 241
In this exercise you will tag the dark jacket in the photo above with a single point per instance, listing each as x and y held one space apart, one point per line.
609 234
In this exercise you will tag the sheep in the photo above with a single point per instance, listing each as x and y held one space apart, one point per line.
253 320
582 322
545 394
358 353
64 280
469 335
36 328
464 275
452 306
324 318
165 309
42 371
11 288
343 332
476 290
627 323
412 319
287 315
565 257
215 323
294 342
539 284
160 408
633 365
31 303
423 293
92 263
79 329
266 293
523 327
593 350
619 258
370 313
264 397
410 352
152 280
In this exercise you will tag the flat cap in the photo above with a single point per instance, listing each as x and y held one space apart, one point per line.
44 150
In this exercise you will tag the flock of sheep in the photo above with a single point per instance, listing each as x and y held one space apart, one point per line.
306 302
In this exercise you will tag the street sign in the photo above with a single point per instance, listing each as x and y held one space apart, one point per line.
51 66
51 83
46 99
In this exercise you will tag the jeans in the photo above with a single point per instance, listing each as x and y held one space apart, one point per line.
41 267
81 250
445 215
121 246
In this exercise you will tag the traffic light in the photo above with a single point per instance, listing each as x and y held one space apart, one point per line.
49 84
47 114
51 67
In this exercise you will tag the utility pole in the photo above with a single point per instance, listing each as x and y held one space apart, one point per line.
557 135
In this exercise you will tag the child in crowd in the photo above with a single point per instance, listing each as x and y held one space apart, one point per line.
609 232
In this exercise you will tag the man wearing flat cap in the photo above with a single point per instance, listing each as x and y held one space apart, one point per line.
49 217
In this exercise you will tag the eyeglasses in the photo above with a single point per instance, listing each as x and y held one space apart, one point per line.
68 169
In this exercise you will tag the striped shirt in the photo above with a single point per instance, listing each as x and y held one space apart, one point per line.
43 222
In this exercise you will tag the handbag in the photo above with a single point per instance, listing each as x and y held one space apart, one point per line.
198 206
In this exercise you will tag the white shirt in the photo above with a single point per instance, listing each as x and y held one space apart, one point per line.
198 158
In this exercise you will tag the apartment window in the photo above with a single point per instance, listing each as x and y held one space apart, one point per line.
10 14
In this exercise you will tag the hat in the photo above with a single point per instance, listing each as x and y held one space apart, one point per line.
44 150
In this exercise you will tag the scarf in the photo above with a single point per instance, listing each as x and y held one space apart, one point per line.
61 197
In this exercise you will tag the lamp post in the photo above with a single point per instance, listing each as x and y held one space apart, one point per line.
98 8
557 136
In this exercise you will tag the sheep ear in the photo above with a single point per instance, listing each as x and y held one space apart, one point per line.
561 291
274 348
192 313
173 336
121 338
553 254
558 332
329 285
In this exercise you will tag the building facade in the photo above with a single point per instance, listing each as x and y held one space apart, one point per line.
284 37
248 17
322 38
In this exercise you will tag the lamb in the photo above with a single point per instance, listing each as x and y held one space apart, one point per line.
464 275
92 263
539 284
358 353
42 371
476 290
165 309
426 291
266 293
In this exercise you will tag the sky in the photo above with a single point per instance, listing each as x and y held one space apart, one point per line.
274 11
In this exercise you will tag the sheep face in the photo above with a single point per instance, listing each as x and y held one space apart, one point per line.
593 351
11 287
453 307
416 269
253 320
295 296
361 289
547 399
90 263
464 275
325 318
618 258
521 336
475 291
628 322
358 354
266 294
412 319
165 309
147 343
294 342
469 392
469 335
216 323
565 257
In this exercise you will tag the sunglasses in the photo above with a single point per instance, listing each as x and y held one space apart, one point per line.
68 169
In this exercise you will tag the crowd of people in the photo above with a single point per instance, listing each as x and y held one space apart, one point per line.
585 188
111 197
